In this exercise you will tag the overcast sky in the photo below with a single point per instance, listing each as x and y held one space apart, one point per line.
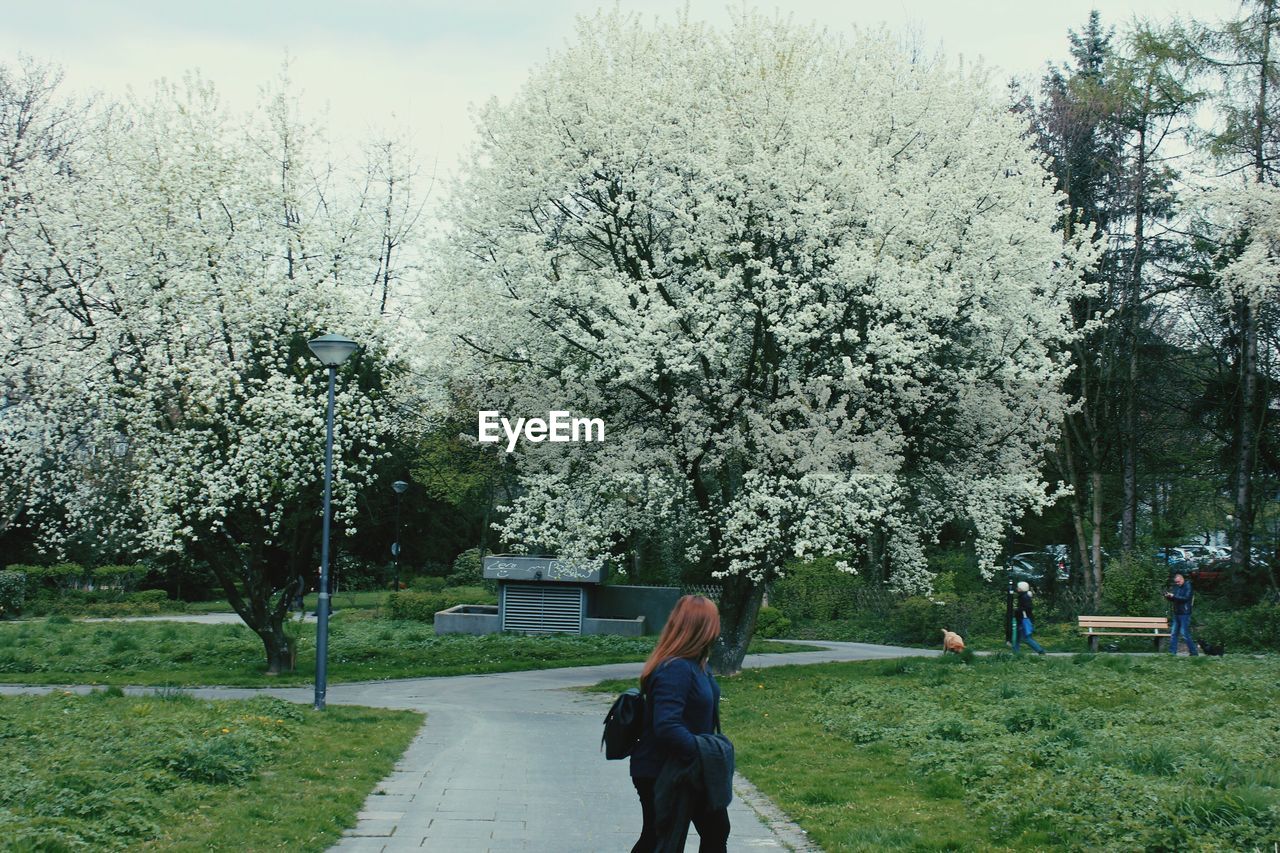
416 66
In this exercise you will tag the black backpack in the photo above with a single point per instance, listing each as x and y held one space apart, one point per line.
623 725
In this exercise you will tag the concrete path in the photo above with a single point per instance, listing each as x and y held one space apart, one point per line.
511 762
218 618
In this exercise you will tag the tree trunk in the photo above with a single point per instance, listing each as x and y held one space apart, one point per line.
1079 519
1129 460
739 606
1246 441
278 646
1095 482
262 606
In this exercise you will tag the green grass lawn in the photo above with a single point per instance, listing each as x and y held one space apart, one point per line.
1061 636
169 772
1106 752
366 599
58 651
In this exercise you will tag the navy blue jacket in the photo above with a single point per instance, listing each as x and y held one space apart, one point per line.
1182 599
681 701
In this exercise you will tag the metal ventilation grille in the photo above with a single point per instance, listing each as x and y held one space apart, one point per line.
542 609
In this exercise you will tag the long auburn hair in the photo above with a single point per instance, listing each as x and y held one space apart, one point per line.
691 628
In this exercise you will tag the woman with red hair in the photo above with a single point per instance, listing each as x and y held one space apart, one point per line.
681 702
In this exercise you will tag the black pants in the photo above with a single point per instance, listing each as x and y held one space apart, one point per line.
712 826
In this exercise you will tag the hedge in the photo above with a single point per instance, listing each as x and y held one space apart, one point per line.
65 575
423 606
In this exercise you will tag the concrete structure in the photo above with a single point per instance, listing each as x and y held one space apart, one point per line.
547 595
469 619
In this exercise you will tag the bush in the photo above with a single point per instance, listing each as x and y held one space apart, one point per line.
1132 586
1254 628
105 603
771 623
468 569
425 583
423 606
60 576
917 620
356 574
815 590
123 577
13 591
226 760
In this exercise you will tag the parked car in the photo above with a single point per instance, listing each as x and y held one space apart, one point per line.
1062 557
1177 559
1034 566
1204 553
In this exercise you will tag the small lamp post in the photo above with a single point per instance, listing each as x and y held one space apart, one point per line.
332 350
400 487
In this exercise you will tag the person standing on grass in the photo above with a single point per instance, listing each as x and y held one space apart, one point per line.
1022 618
681 711
1181 596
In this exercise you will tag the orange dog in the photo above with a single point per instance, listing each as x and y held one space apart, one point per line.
952 642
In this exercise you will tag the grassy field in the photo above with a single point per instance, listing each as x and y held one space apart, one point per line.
169 772
368 599
1106 752
58 651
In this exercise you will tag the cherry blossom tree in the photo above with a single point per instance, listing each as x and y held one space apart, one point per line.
169 282
811 284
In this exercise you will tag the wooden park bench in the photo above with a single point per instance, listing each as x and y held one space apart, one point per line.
1093 627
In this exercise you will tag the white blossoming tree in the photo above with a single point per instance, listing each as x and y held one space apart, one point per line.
812 285
159 382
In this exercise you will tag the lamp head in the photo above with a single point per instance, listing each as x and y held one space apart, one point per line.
400 486
332 350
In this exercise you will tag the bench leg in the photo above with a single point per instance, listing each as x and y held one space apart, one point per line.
1093 644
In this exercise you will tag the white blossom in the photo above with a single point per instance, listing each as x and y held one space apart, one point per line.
812 285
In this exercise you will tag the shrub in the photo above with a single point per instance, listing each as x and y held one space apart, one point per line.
60 576
357 574
771 623
1249 628
225 760
423 606
123 577
426 583
1132 586
410 604
13 592
815 590
917 620
468 569
65 575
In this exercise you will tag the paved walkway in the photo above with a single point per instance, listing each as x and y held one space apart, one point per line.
217 618
511 762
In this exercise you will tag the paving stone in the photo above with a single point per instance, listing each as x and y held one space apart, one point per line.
360 845
373 828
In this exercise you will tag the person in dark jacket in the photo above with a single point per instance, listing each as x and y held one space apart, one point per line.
681 702
1022 618
1181 596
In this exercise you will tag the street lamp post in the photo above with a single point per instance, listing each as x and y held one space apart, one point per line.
332 350
400 487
